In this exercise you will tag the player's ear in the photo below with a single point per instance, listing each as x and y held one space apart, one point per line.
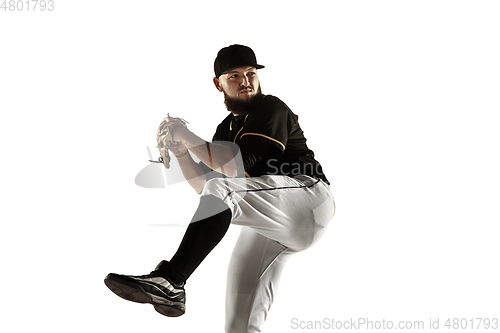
217 84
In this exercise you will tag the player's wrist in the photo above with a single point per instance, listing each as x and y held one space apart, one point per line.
182 155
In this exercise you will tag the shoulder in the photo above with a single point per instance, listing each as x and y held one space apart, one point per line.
225 122
274 102
273 108
222 128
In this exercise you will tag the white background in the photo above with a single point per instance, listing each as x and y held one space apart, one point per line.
399 100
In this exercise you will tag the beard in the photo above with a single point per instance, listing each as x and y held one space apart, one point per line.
241 107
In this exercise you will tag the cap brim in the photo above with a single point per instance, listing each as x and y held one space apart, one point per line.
230 69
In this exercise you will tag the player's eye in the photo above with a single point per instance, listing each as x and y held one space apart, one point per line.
251 74
233 76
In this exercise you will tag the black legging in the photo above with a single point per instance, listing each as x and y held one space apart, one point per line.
201 237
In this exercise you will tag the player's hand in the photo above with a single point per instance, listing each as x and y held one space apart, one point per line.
171 124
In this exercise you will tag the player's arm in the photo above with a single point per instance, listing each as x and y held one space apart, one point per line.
219 157
192 171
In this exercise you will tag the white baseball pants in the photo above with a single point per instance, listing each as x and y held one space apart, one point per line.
280 216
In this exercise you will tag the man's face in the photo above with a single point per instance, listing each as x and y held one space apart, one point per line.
241 83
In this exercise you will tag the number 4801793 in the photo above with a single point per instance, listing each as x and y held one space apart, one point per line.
27 5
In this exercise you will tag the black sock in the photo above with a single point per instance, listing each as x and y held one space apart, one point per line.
208 227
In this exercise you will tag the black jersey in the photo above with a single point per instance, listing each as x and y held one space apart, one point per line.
270 140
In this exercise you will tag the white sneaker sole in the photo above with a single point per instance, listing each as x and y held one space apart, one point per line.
135 293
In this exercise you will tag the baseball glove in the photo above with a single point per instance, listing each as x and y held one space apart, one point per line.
164 137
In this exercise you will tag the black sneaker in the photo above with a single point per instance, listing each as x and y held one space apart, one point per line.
167 297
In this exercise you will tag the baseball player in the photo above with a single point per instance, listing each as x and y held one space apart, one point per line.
257 172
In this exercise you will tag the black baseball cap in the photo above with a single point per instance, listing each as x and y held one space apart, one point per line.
234 56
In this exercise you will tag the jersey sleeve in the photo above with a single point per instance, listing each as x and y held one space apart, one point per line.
272 124
265 133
